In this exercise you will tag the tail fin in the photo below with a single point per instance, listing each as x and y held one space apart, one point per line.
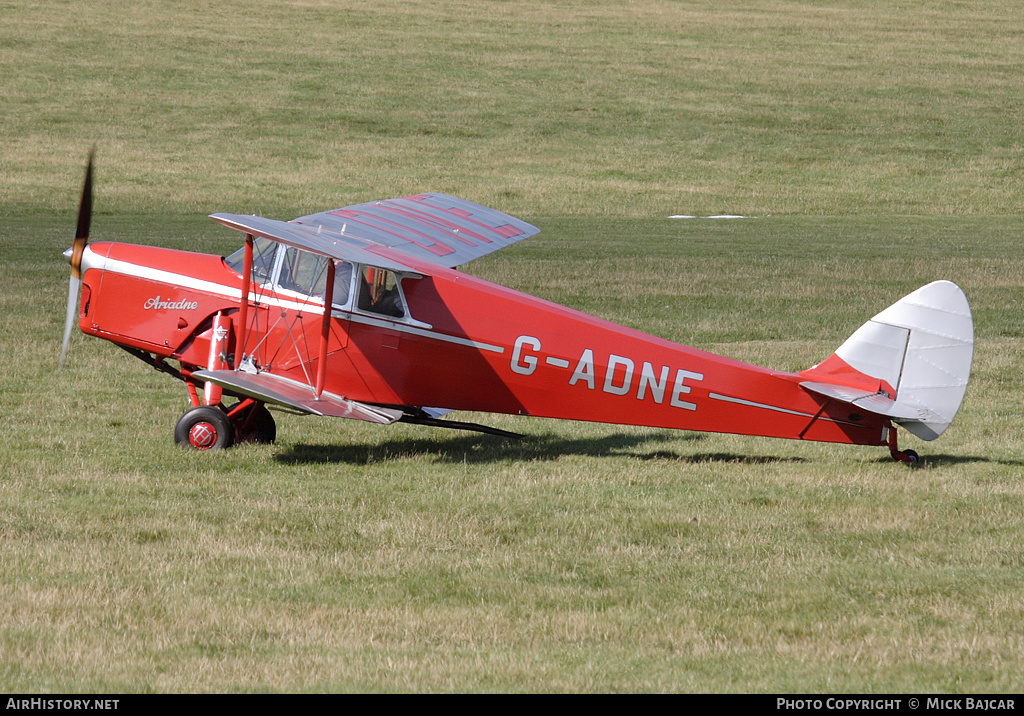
911 362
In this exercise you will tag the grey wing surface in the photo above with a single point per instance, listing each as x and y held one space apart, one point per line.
438 228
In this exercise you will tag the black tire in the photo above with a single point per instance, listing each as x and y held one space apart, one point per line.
261 429
204 428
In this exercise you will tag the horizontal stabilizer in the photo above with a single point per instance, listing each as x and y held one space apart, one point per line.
877 403
274 389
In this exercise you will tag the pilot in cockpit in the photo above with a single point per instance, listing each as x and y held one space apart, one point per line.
379 292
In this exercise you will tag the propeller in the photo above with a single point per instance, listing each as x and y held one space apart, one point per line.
74 255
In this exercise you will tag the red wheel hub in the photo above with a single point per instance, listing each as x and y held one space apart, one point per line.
202 436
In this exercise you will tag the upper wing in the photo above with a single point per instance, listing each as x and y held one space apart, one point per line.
437 228
323 243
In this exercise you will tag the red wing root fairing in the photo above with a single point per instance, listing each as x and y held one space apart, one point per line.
359 313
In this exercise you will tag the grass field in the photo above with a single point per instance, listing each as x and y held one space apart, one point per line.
876 146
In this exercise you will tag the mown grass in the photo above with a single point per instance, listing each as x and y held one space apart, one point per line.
585 557
877 145
549 108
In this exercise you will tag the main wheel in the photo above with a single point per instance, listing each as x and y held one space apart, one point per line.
254 424
205 428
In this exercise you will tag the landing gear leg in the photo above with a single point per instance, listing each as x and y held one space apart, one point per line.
909 457
253 422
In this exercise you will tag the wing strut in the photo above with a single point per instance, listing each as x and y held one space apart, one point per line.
243 309
325 330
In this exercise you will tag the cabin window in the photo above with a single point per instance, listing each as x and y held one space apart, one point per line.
263 252
306 274
342 283
379 292
303 273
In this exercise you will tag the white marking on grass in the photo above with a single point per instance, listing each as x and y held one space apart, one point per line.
715 216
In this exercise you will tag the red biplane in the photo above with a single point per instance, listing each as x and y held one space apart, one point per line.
360 313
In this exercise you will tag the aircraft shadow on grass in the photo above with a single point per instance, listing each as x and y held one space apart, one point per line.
482 449
477 449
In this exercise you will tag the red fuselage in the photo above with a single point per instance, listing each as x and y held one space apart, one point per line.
465 344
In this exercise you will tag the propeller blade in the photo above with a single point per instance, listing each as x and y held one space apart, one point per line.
77 250
69 322
84 221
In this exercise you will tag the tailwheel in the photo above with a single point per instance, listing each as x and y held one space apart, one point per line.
909 457
253 423
205 428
